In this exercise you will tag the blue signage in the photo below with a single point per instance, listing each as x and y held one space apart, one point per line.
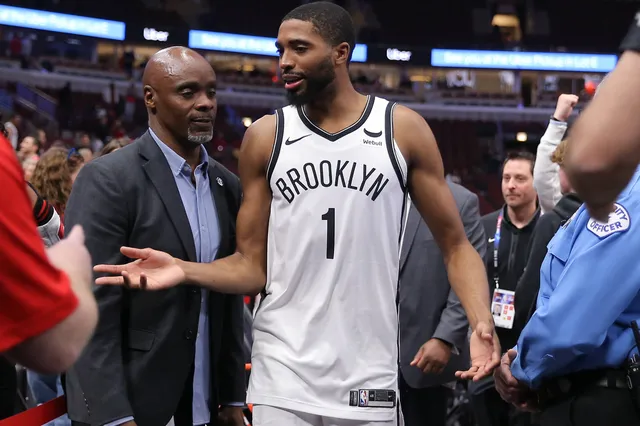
251 45
530 61
61 23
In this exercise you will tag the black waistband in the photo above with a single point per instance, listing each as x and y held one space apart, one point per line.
572 384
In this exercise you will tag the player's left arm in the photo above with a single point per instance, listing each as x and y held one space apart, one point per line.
431 195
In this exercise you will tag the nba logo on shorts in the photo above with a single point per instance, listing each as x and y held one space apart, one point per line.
364 398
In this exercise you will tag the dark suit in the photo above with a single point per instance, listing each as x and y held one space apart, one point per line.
140 360
429 308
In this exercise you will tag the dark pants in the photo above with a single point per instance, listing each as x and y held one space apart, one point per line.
8 388
423 407
595 406
491 410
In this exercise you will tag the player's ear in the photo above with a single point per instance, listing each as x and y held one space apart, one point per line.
341 53
149 97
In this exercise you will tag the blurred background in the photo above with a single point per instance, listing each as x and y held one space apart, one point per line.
485 74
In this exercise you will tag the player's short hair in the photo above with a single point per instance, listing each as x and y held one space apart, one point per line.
521 155
332 22
557 156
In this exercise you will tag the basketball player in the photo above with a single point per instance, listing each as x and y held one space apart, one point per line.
325 184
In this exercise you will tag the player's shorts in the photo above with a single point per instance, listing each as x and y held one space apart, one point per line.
265 415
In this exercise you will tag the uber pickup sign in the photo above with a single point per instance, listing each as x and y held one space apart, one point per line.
619 221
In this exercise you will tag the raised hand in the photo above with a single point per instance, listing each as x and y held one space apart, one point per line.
485 352
153 270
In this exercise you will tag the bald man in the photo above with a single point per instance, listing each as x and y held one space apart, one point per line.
175 353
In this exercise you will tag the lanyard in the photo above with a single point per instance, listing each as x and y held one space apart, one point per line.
496 244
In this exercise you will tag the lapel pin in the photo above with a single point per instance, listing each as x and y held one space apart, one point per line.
219 180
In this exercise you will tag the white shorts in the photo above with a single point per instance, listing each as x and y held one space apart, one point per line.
265 415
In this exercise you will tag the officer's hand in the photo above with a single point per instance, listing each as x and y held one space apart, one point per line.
565 106
508 386
432 357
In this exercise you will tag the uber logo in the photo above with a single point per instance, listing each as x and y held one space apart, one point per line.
152 34
398 55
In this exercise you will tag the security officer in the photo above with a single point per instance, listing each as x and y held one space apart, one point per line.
571 358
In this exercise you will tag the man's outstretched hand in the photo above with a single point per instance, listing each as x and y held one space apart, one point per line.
153 270
484 347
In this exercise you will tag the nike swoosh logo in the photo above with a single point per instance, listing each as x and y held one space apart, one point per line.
372 134
290 141
490 240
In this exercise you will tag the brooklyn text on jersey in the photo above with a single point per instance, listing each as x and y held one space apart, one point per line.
327 174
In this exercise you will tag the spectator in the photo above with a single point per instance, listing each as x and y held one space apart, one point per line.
54 176
12 128
47 308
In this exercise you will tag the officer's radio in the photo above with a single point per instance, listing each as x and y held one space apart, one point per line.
633 369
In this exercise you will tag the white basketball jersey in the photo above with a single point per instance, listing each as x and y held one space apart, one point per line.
326 330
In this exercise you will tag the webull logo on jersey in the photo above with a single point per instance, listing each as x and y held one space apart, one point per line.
345 174
370 142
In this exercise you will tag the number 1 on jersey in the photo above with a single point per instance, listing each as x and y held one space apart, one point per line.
330 217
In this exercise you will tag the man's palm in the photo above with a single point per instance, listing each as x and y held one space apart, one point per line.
153 270
484 348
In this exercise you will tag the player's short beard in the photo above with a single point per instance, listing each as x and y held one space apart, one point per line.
201 138
317 84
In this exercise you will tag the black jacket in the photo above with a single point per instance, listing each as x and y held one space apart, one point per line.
512 259
529 283
140 359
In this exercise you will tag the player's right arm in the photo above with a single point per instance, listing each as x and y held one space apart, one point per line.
245 271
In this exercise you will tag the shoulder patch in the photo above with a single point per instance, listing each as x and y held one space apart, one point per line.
619 221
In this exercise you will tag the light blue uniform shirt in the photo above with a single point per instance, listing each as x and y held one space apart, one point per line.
589 284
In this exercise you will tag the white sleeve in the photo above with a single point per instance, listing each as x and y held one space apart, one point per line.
546 180
50 231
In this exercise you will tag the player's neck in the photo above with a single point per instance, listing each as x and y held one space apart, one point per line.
521 216
340 104
189 151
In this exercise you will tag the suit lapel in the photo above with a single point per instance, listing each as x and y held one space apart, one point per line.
409 234
219 191
158 171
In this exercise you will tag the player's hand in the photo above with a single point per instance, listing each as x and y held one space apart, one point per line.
565 106
484 347
432 357
153 270
231 416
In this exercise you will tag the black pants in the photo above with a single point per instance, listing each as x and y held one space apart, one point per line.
491 410
8 388
595 406
423 407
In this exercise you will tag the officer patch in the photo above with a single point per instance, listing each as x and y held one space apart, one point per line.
619 221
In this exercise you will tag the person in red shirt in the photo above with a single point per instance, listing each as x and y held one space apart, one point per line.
47 308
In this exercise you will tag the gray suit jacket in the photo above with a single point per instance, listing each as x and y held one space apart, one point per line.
140 358
428 307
